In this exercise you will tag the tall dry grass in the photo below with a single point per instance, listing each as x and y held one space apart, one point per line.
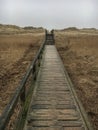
79 52
16 54
12 47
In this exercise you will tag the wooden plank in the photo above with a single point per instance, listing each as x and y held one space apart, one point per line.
53 107
43 128
73 128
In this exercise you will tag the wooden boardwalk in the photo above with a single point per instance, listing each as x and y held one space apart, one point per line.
53 106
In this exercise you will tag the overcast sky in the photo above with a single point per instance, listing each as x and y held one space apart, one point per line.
50 13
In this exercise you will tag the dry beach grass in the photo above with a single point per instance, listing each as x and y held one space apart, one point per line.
16 53
79 52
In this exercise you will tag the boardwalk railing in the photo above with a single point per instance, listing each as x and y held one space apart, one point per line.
21 93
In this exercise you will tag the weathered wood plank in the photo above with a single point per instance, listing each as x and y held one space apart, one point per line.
53 107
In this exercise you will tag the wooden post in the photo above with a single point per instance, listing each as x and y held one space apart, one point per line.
22 96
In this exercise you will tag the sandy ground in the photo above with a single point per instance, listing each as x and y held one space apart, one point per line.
79 52
16 53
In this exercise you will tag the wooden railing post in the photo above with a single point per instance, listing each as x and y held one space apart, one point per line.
40 58
34 72
22 96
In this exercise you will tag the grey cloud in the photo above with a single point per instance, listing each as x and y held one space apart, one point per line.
50 13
